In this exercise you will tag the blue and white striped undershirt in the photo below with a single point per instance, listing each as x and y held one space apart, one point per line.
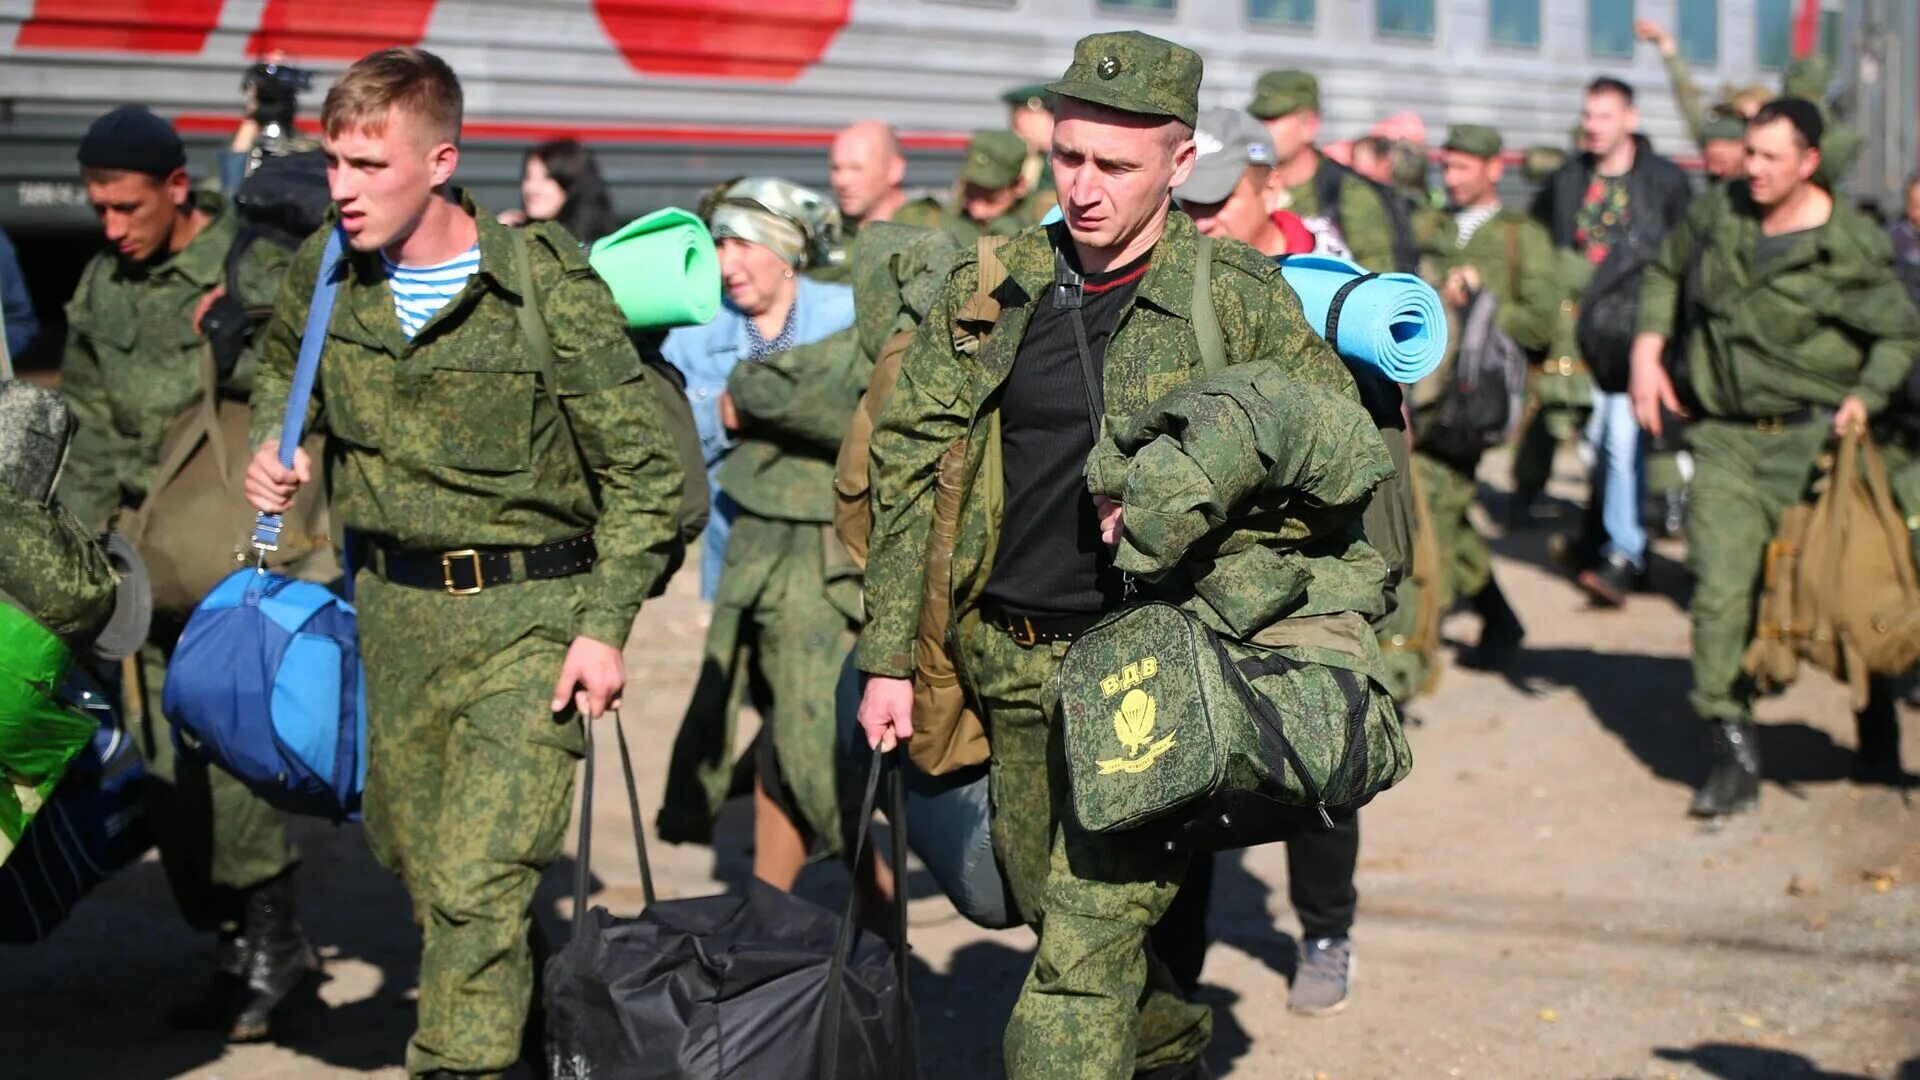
419 291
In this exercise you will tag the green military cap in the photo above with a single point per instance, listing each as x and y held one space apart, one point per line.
994 159
1030 96
1724 127
1539 162
1136 73
1476 139
1281 92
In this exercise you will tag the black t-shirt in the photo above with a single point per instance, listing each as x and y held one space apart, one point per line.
1050 560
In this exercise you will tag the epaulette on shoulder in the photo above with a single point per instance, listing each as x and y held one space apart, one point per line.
1245 258
566 248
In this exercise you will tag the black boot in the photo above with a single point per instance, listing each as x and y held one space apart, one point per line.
1500 630
225 994
1878 726
1734 785
282 960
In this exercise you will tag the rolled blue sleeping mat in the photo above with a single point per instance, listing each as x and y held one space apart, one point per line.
949 820
1393 324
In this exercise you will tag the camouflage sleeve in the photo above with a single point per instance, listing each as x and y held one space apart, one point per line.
276 349
259 276
53 567
90 483
1366 225
1193 460
617 420
1660 292
807 393
924 415
1530 316
1686 96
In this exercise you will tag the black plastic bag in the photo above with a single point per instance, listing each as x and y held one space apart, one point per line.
739 987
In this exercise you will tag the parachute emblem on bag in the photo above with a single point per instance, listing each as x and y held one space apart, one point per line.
1133 723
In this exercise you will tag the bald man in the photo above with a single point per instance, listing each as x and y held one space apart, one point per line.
866 169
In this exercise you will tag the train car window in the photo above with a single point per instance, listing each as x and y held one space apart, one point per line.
1774 21
1514 23
1404 18
1161 6
1296 14
1610 28
1698 35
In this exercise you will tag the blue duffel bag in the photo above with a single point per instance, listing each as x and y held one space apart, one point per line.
266 681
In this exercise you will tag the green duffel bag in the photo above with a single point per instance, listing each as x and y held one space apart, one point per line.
1217 743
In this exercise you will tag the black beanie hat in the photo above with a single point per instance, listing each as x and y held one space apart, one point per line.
132 138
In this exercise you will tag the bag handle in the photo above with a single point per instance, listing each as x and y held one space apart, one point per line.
843 941
584 858
313 340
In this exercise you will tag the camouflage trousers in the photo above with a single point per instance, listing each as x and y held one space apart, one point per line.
1742 479
216 838
780 634
1097 1003
469 788
1451 491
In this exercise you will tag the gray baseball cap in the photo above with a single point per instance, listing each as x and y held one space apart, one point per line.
1228 140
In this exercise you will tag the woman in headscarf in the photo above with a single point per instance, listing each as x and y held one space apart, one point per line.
560 181
768 232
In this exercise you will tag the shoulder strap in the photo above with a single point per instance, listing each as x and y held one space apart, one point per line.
1206 321
992 273
1513 226
533 327
313 339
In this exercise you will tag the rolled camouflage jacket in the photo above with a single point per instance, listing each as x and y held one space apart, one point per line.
54 570
1826 321
134 361
794 408
949 386
449 440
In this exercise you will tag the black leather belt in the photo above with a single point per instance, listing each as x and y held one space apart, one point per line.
1806 414
1031 630
471 570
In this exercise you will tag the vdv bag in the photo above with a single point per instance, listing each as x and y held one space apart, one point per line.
760 986
1168 723
266 680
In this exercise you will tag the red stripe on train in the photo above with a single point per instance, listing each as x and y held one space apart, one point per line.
542 130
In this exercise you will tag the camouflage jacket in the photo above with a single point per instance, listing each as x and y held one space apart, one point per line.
967 232
54 571
1827 320
794 407
449 440
919 213
134 362
949 386
1365 225
1515 258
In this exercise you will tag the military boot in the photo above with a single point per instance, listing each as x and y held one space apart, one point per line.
1500 630
1878 746
1734 785
214 1008
282 961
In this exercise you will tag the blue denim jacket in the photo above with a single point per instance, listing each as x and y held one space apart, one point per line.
706 355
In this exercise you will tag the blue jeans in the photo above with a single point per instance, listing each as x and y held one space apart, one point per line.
1619 476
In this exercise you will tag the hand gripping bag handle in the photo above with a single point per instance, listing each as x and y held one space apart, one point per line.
313 340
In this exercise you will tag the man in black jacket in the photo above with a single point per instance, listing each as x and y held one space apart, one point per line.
1611 206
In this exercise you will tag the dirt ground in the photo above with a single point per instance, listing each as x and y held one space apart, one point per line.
1534 903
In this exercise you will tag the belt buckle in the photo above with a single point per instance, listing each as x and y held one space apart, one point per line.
1771 425
1031 637
446 571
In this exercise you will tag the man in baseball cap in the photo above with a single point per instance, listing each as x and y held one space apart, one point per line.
1229 193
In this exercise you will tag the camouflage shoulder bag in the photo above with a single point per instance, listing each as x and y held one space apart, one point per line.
1219 743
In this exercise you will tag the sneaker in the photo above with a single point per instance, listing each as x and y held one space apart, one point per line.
1609 583
1324 982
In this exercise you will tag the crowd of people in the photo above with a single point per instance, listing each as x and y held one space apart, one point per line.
1705 340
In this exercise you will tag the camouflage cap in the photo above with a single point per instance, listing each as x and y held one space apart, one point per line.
1539 162
1724 128
1029 96
994 159
1476 139
1136 73
1281 92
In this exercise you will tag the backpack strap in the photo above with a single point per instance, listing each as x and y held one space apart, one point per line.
313 339
976 317
533 327
1513 226
1206 321
992 270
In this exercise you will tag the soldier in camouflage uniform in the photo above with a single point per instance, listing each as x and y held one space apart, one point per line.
1032 566
1288 102
1799 329
134 362
1481 245
989 190
1030 116
498 580
866 169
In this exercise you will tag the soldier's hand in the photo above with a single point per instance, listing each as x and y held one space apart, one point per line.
1111 514
729 415
1852 414
886 711
1650 31
591 679
1649 385
270 486
513 219
205 302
